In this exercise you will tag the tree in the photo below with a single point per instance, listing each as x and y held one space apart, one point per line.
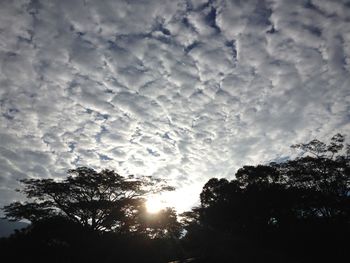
298 207
98 200
163 224
323 174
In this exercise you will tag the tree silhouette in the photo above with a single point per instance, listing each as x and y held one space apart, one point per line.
98 200
163 224
298 209
293 211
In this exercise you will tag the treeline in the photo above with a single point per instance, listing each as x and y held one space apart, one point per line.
294 211
92 216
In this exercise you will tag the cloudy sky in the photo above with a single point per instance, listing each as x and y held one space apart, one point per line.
184 90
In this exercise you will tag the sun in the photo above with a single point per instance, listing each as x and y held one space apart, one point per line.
154 205
178 200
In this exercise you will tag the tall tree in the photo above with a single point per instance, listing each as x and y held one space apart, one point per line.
101 200
298 207
163 224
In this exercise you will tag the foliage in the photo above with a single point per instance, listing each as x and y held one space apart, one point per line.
58 239
163 224
294 211
292 208
99 200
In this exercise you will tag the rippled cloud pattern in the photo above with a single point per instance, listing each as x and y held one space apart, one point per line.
183 90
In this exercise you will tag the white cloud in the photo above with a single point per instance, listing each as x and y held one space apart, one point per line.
184 90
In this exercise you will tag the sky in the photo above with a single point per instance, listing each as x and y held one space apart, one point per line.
182 90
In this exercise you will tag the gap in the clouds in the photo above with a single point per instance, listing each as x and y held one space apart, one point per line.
210 18
232 45
188 48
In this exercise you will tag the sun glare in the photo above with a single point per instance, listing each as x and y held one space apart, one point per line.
178 200
154 205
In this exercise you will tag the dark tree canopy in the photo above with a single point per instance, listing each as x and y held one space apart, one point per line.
99 200
296 207
162 224
292 211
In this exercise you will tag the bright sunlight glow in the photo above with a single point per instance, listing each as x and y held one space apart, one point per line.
178 199
154 205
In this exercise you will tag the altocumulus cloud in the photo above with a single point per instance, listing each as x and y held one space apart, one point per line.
183 90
